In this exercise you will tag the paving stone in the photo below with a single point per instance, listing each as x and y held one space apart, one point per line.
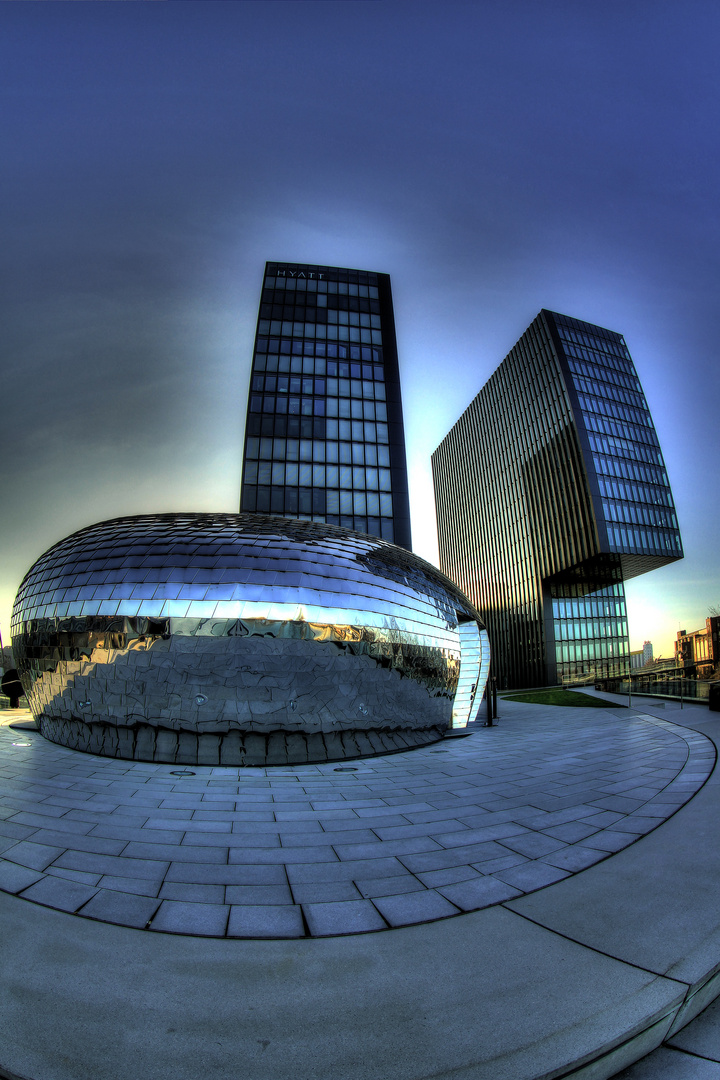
258 894
137 886
609 841
266 921
196 894
324 891
443 818
214 874
110 864
57 893
177 917
433 879
14 878
344 871
532 844
73 875
36 856
389 886
417 907
437 860
531 875
121 908
342 917
478 893
176 853
574 858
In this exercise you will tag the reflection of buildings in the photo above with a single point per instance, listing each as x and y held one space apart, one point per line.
241 639
324 437
699 651
550 491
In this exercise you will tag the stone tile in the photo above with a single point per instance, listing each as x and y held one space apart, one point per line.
574 858
195 894
342 917
14 878
459 856
617 802
609 841
433 879
38 821
478 893
242 840
392 886
532 844
360 838
344 871
531 875
417 907
325 891
15 831
258 894
284 855
265 921
36 856
137 886
73 875
98 844
121 908
214 874
176 853
177 917
57 893
111 864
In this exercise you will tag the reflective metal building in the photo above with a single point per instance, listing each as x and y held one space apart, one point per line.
324 438
243 639
551 490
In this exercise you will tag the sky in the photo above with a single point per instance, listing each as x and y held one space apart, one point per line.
494 157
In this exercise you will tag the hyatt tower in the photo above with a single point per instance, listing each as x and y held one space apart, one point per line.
324 438
550 491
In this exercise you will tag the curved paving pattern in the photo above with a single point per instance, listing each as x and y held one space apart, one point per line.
325 850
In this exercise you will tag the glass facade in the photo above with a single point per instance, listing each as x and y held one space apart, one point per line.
551 491
324 437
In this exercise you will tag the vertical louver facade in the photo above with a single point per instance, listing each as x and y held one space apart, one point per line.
550 492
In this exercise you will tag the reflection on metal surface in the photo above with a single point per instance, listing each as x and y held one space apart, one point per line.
243 639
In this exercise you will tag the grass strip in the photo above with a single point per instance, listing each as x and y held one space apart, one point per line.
572 698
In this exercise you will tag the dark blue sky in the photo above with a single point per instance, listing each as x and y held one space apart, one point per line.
493 157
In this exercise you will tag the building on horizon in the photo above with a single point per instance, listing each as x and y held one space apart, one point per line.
550 492
640 658
324 437
698 652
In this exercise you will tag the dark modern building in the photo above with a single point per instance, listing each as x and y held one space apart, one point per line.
551 491
324 438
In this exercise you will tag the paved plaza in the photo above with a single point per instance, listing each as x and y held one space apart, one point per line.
337 849
533 901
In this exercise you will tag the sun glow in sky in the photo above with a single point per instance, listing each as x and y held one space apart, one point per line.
494 158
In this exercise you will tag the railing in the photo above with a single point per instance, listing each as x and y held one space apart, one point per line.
660 684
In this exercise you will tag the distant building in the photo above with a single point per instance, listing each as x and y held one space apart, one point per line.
698 652
324 437
640 658
551 491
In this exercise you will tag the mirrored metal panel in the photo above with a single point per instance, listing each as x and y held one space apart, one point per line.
243 639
